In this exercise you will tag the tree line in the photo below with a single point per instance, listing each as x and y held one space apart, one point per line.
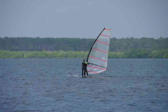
76 47
77 44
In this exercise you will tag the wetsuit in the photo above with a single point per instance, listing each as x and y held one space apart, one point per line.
84 69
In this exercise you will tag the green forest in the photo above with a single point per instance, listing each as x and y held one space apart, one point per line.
75 47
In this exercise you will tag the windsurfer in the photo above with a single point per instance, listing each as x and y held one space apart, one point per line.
84 68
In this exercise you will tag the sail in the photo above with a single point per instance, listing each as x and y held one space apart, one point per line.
98 54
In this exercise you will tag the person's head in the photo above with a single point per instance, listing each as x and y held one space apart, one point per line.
84 60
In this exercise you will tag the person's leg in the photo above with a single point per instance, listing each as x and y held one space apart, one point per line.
85 73
82 72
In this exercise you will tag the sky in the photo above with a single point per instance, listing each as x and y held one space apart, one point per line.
83 18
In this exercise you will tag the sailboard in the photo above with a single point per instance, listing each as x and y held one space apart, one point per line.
98 54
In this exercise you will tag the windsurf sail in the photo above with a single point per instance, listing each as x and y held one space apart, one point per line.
98 55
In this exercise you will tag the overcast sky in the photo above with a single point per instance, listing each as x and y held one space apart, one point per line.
83 18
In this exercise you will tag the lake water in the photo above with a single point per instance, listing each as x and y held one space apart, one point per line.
55 85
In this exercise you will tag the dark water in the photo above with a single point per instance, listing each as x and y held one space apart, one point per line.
55 85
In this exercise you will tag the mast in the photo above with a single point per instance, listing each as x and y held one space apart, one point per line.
94 43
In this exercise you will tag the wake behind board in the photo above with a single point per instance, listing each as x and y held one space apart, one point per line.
77 75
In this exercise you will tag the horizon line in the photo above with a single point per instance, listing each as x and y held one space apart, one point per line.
82 37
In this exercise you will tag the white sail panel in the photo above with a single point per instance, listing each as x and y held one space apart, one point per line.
98 55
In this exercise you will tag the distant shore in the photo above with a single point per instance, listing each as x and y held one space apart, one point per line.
81 54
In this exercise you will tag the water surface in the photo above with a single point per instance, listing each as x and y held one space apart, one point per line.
50 85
